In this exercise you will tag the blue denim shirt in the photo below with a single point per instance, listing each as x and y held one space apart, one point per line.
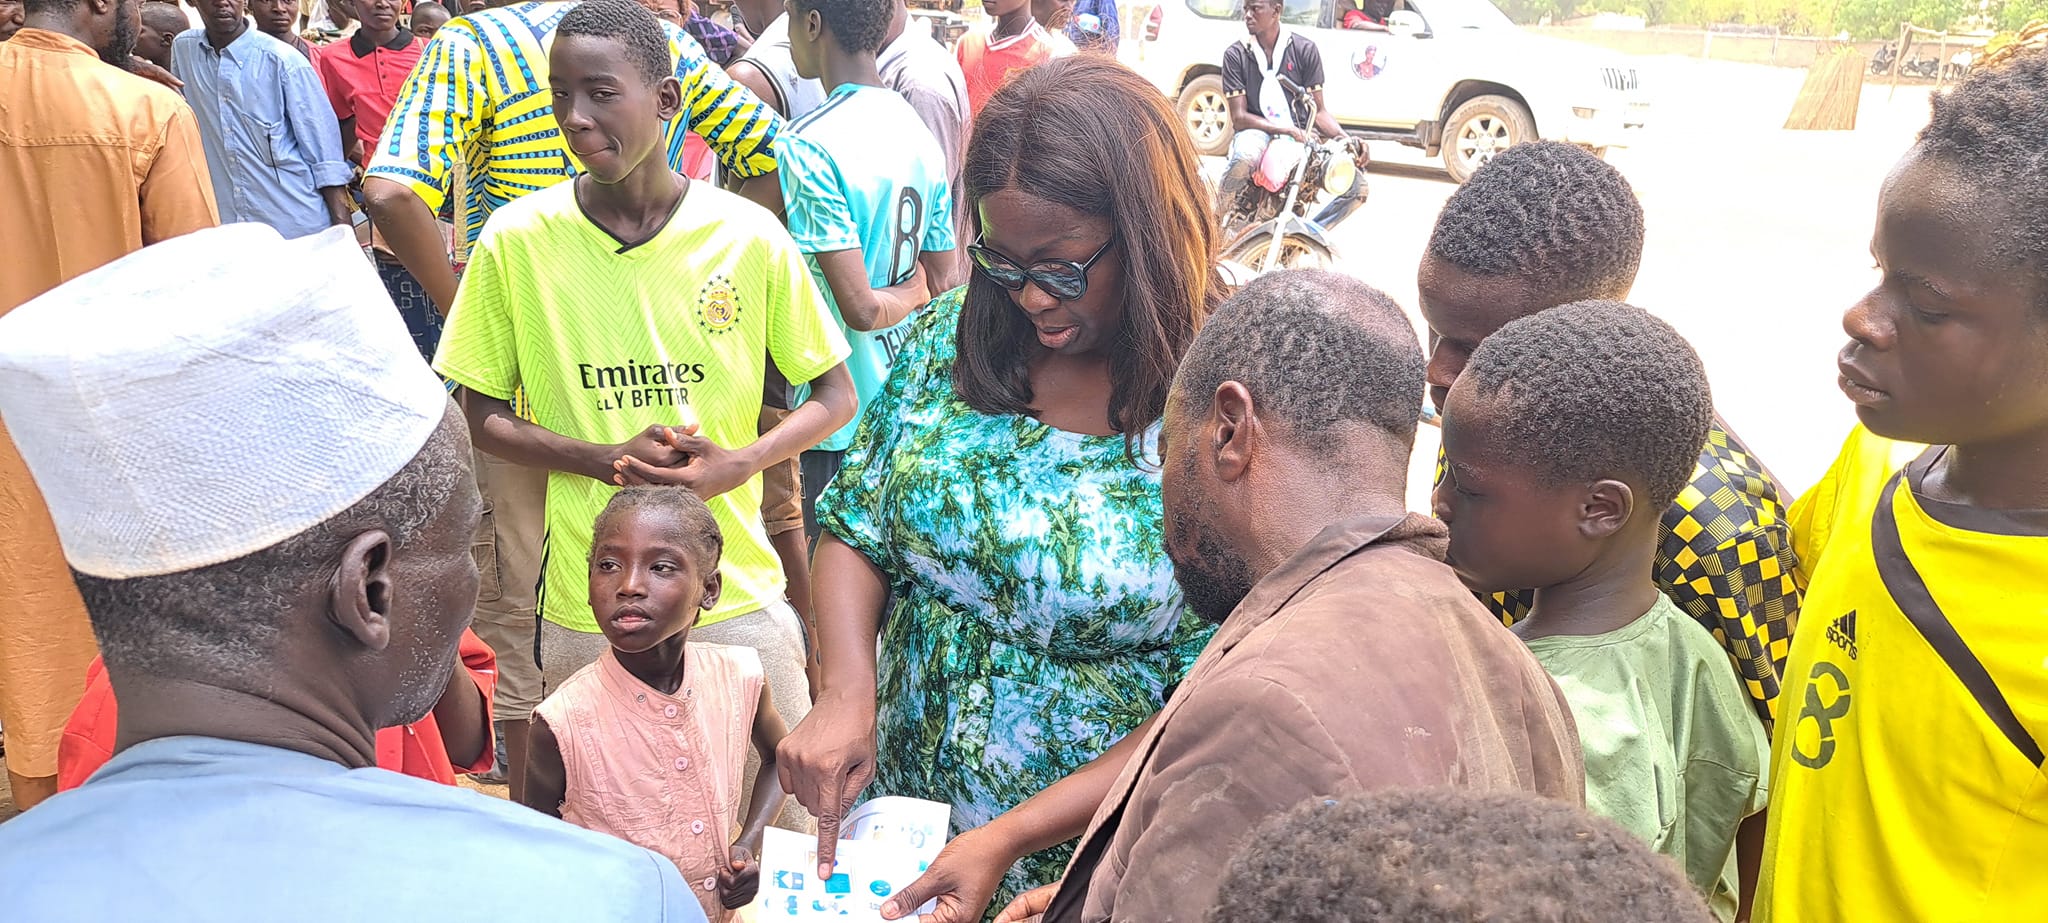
191 829
270 135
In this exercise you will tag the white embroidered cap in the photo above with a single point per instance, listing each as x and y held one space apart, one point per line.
211 396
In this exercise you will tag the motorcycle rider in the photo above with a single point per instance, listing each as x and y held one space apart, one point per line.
1261 109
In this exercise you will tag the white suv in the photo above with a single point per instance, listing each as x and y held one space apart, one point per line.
1451 76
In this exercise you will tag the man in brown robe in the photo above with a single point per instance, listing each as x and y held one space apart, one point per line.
1349 657
95 163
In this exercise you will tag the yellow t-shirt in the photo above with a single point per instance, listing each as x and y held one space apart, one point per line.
1897 795
607 340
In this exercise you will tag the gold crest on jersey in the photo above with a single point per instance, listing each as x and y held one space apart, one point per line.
718 305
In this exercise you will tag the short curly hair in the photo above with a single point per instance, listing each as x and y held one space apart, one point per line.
1450 856
857 25
1594 390
1315 349
1994 127
699 527
632 25
1562 221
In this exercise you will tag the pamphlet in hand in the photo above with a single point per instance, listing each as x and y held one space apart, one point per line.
884 845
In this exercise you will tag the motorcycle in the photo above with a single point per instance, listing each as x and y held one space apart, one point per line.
1881 63
1921 67
1269 226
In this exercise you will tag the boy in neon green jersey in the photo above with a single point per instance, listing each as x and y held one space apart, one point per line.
637 309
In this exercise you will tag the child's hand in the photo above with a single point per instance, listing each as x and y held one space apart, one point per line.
706 468
1029 906
739 880
651 449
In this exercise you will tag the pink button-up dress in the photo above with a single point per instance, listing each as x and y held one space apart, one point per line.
662 771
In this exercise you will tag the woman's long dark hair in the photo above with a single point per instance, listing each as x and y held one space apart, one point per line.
1088 133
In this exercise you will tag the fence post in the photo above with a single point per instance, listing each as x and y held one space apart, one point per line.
1899 62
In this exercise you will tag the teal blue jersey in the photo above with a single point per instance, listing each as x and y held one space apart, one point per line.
863 172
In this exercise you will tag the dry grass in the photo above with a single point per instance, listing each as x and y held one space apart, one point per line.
1832 93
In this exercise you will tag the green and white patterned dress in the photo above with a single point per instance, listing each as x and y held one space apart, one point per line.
1036 619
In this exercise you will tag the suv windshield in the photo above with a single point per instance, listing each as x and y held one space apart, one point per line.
1292 12
1444 15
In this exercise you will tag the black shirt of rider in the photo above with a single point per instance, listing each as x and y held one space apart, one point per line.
1301 62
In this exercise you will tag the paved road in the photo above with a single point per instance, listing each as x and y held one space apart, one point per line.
1758 239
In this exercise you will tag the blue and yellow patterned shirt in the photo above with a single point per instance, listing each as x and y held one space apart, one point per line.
480 93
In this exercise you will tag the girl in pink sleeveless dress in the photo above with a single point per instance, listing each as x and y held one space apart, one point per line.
649 743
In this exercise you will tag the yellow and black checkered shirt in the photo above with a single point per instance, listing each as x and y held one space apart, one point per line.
1725 557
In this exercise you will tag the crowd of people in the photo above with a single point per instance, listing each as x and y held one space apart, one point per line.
706 428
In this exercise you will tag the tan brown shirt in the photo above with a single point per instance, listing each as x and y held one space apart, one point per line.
1361 663
95 162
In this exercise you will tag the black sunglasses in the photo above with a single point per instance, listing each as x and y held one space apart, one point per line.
1065 280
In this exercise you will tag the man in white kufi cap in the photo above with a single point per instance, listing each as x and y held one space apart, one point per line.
267 501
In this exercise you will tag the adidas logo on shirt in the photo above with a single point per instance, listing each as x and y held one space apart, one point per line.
1843 633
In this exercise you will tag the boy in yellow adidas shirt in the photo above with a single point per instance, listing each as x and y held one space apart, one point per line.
1906 769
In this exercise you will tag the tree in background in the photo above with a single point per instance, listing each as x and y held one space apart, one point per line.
1861 19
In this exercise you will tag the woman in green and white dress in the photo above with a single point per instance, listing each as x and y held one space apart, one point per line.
1003 489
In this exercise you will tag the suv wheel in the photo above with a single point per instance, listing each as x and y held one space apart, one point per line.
1207 114
1480 128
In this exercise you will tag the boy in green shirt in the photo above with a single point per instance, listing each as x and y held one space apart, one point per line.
1567 435
1546 224
638 310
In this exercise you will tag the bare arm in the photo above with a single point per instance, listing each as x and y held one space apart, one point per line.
745 144
740 880
710 469
1326 124
463 718
849 591
1749 862
546 779
830 756
944 270
351 146
765 191
862 306
409 228
336 198
964 876
1063 810
766 800
832 404
748 74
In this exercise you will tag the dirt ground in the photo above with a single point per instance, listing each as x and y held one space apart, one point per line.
1758 239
